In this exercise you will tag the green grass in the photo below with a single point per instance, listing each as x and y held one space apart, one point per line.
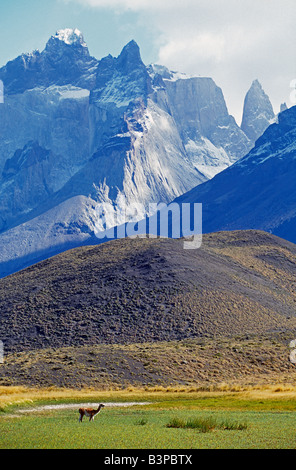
146 427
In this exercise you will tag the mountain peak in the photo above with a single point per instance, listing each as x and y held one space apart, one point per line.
131 46
283 107
256 84
65 39
257 87
70 36
258 111
130 57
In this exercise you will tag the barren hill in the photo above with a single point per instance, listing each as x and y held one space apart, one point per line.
147 290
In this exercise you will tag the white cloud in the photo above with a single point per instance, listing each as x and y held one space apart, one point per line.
136 5
233 41
205 47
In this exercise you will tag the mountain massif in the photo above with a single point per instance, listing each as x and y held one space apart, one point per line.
77 131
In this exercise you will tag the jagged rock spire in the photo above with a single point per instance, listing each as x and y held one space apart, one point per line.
258 112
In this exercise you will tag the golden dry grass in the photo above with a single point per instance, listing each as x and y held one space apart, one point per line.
234 393
203 364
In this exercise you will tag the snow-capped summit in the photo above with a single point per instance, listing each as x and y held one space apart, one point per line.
65 40
64 61
258 112
166 74
70 36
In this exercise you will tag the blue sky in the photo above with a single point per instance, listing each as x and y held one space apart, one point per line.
232 41
27 25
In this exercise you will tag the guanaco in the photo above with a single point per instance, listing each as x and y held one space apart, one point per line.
89 412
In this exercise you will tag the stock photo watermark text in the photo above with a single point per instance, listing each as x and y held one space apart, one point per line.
1 92
160 220
293 92
1 352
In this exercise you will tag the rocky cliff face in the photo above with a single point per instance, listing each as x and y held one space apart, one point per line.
32 164
56 117
258 112
211 137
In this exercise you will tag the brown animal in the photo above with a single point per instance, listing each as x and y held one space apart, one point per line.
89 412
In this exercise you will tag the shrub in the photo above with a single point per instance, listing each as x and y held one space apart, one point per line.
142 422
228 426
202 424
205 424
176 423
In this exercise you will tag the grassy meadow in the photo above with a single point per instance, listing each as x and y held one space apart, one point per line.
174 419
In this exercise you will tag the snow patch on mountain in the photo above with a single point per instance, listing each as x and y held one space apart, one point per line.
207 158
166 74
120 91
72 93
70 36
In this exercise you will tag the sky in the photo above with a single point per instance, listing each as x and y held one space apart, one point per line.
232 41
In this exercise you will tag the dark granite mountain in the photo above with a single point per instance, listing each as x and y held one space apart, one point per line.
257 192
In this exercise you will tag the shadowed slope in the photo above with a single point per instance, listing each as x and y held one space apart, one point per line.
258 191
139 290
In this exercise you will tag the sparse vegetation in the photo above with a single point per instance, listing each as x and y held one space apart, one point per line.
141 290
176 423
202 424
188 363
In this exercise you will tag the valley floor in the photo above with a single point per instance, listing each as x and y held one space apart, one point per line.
256 417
